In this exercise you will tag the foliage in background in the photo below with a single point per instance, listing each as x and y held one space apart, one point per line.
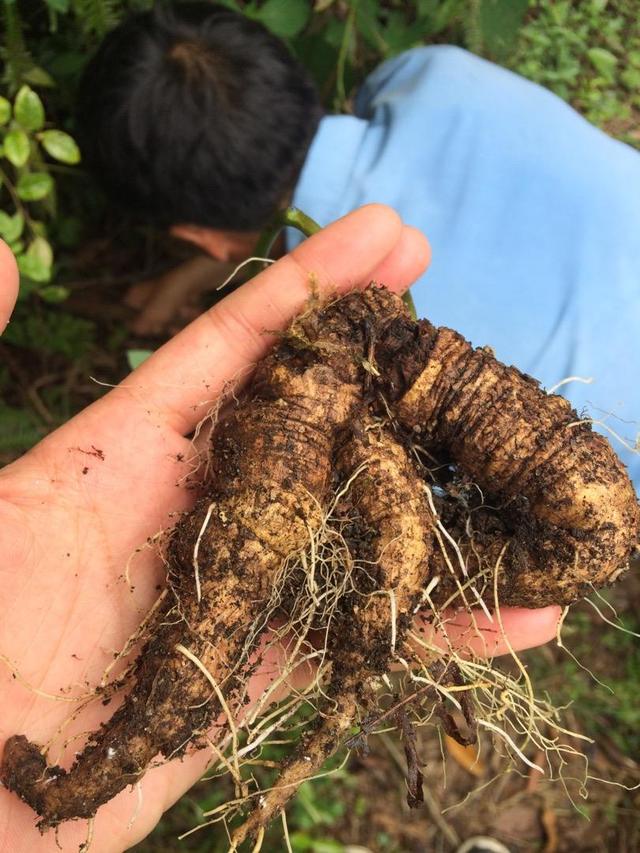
26 140
589 54
47 43
610 708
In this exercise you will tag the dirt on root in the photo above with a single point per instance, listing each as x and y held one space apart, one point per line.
465 797
469 793
487 798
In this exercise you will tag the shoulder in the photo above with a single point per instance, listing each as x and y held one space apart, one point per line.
493 115
431 65
453 77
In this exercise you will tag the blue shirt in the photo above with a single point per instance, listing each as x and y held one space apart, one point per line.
532 213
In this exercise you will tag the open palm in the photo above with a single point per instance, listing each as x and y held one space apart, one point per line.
75 508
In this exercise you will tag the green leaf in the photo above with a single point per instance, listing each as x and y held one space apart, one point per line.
51 331
39 77
136 357
54 293
301 842
367 25
500 22
61 6
16 147
603 61
399 35
34 186
559 12
19 428
333 34
5 110
285 18
436 15
325 845
28 109
11 226
41 249
32 267
631 79
60 146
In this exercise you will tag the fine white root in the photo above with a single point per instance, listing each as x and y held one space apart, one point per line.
506 705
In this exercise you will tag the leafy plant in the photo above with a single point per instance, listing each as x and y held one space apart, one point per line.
51 332
29 188
341 40
589 54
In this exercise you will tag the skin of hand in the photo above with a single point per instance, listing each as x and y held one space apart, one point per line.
75 507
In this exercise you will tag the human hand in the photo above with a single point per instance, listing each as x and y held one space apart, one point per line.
74 509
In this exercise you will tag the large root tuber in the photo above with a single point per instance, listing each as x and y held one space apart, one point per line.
389 497
353 386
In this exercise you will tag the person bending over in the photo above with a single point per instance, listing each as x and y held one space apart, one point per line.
200 121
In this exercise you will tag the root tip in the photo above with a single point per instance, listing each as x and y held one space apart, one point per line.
24 770
22 764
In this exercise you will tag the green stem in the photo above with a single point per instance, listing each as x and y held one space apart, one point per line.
291 217
407 298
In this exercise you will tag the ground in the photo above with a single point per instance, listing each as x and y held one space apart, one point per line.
362 806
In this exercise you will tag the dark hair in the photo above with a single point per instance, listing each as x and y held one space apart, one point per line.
192 113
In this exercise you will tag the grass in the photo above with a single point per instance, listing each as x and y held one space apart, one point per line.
588 53
609 709
317 808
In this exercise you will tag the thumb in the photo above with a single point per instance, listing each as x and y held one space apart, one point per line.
8 284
